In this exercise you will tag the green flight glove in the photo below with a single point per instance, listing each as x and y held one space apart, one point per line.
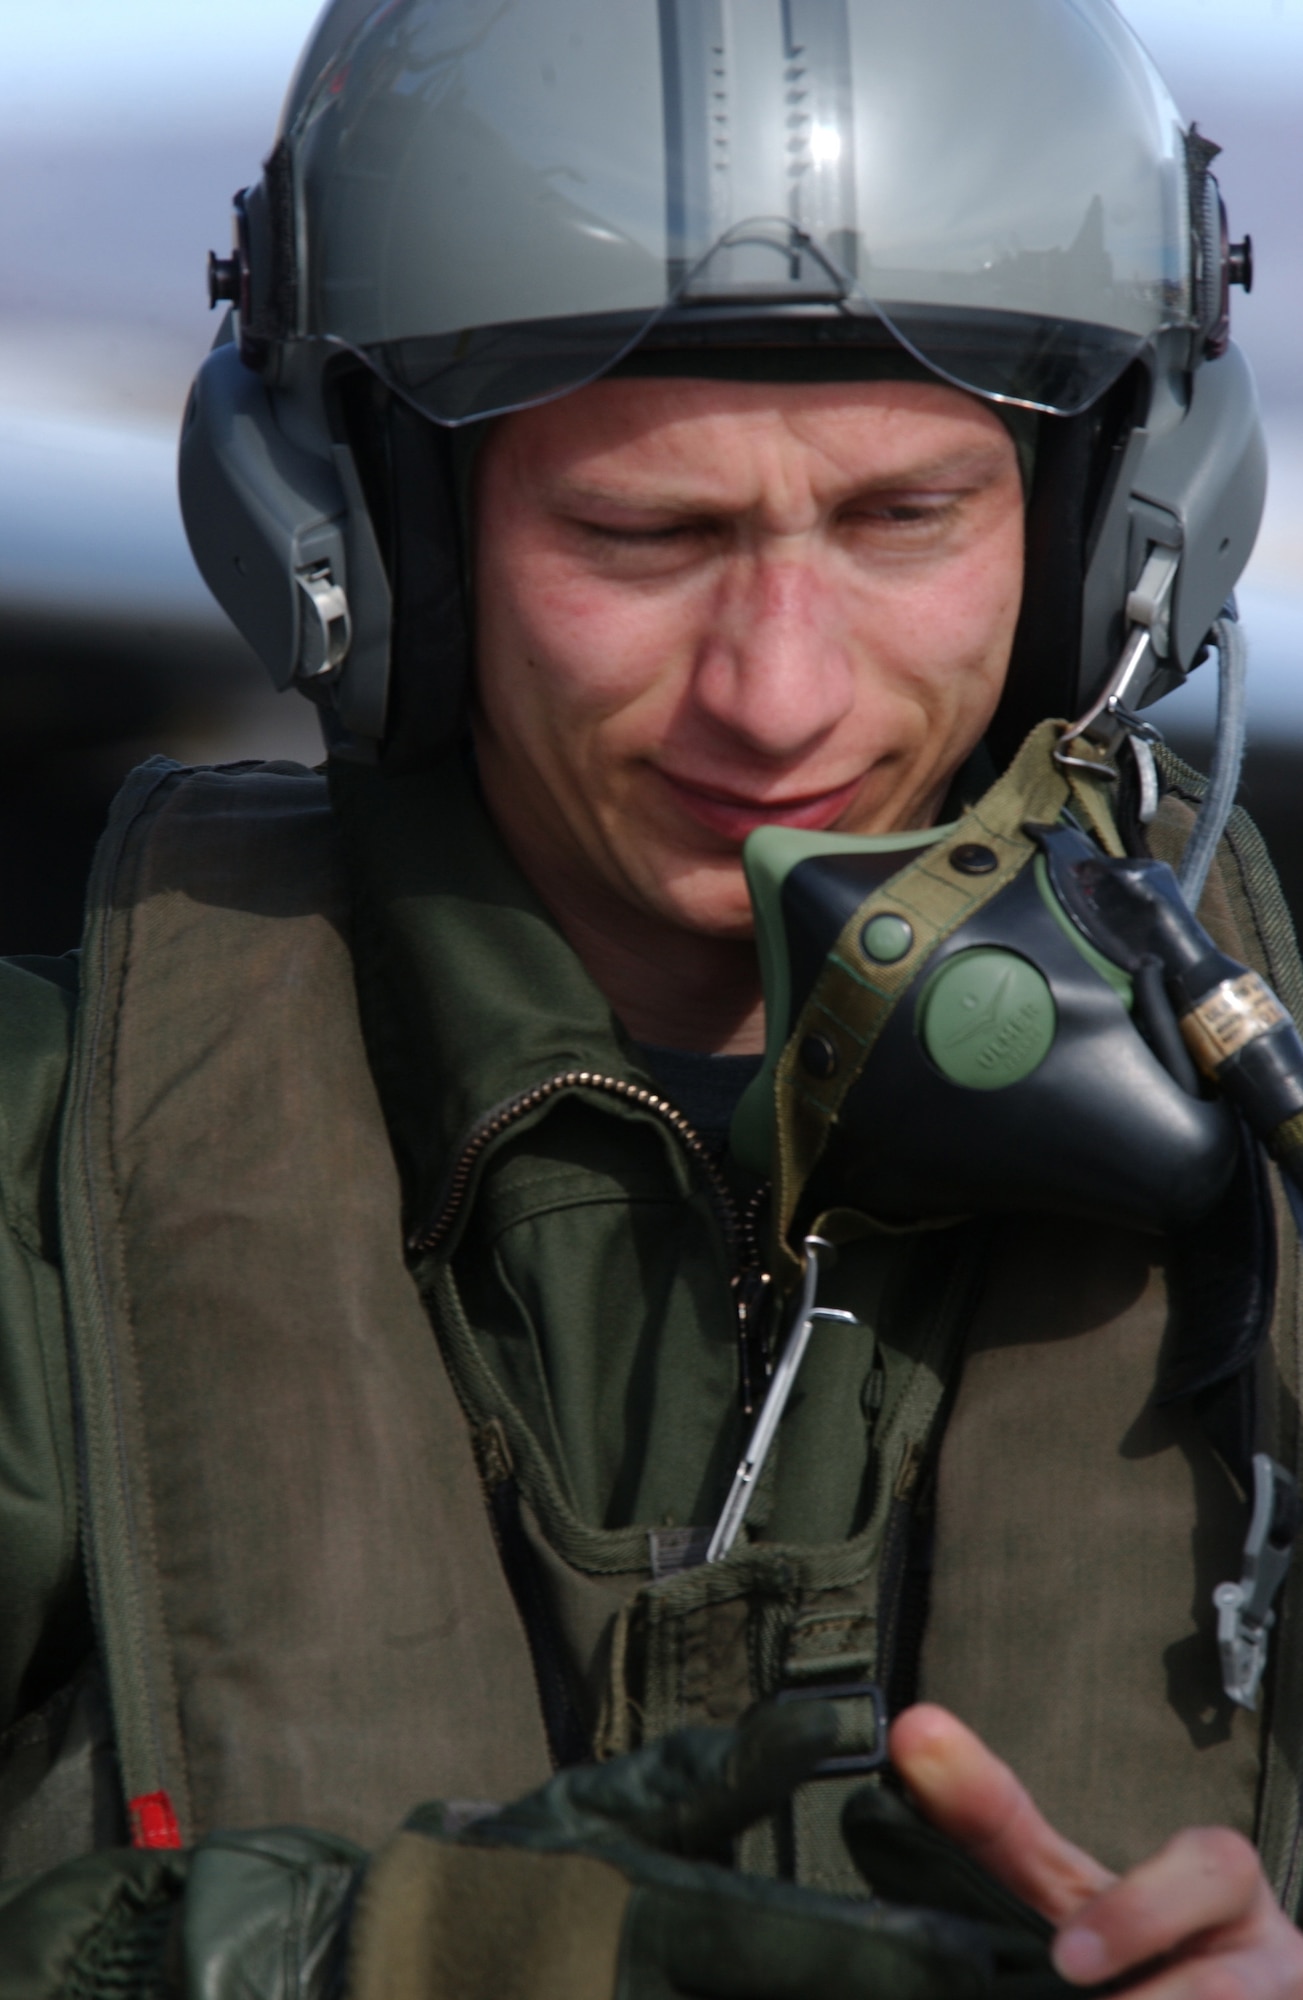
612 1883
911 1864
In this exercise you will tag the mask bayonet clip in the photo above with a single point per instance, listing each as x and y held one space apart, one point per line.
1244 1609
1149 612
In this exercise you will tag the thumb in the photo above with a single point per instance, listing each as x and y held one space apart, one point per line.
747 1772
688 1793
967 1792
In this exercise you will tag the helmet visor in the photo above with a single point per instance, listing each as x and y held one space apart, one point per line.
498 201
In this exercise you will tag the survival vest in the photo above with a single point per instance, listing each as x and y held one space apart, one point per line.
326 1581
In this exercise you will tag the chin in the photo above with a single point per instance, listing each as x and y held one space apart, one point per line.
725 918
709 901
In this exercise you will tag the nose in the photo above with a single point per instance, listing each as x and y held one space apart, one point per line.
773 671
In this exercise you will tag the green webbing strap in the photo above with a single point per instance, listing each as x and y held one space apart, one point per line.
820 1855
853 996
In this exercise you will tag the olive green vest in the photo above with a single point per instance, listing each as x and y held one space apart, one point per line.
322 1552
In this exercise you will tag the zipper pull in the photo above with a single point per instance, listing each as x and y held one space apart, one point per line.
751 1290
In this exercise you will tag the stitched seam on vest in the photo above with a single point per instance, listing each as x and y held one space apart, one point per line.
242 862
124 1590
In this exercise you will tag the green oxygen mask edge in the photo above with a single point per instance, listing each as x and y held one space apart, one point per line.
769 857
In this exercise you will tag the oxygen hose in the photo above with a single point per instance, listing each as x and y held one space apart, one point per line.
1228 756
1240 1036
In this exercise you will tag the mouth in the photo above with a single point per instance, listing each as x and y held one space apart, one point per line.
734 815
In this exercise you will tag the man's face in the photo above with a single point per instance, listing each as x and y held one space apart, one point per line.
704 607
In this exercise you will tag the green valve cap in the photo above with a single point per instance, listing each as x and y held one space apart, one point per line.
987 1018
885 939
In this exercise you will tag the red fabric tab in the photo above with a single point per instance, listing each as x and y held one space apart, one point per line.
153 1822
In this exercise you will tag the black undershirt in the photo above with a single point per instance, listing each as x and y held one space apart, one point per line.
705 1088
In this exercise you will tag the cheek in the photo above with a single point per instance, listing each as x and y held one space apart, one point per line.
954 636
995 583
577 650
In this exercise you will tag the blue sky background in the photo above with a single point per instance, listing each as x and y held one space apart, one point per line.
100 68
104 66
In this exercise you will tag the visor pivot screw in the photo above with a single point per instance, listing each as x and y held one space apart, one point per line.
1239 264
818 1057
974 859
886 939
223 279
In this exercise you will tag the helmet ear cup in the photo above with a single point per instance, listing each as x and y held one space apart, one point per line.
283 538
260 512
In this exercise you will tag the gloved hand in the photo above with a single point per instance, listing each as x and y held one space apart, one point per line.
610 1884
911 1864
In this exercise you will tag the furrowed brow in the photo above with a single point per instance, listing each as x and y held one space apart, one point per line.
976 465
578 496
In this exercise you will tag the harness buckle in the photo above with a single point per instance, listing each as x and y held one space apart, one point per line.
853 1763
1244 1609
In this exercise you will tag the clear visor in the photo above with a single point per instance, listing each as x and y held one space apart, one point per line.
498 201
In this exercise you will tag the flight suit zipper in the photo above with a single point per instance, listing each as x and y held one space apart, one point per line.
750 1284
567 1736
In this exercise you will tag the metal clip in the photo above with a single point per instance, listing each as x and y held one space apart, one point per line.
1150 603
327 628
855 1763
1149 613
1244 1609
742 1491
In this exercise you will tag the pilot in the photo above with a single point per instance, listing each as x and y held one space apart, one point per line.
702 1191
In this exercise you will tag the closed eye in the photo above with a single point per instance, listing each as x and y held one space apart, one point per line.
646 551
908 511
672 531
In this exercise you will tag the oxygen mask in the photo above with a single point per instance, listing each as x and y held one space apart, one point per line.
1005 1014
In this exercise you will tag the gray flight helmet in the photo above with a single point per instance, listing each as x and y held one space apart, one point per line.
476 205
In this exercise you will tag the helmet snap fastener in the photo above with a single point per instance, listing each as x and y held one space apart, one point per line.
886 938
818 1057
974 859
